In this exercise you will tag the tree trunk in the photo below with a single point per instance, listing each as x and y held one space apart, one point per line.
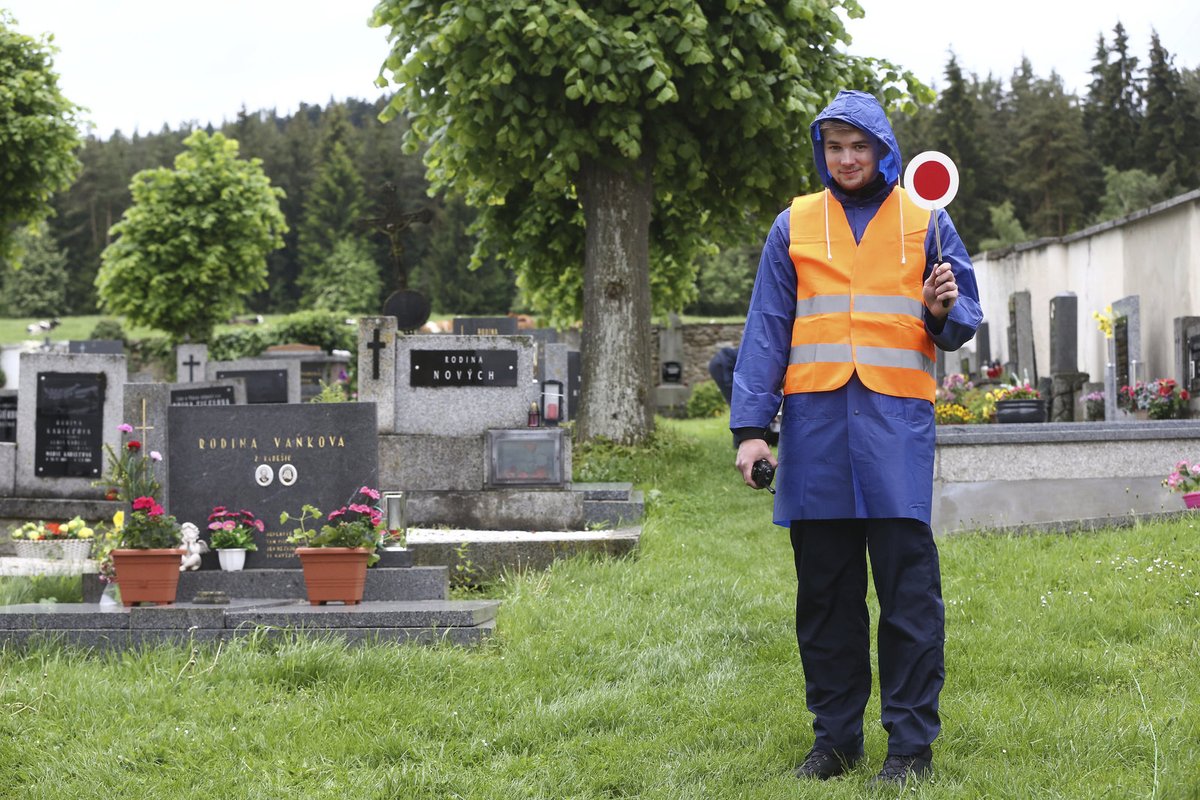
616 402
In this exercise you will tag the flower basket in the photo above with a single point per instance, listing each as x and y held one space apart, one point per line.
334 574
76 549
37 548
147 576
1020 411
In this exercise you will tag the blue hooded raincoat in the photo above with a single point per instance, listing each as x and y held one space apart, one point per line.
850 452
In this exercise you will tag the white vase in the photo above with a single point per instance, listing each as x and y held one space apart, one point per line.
232 558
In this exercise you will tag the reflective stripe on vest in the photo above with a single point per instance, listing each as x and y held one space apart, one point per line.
861 310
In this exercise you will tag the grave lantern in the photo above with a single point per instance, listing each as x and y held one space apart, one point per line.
395 511
552 398
672 372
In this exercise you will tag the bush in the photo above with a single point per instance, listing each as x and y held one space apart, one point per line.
326 329
108 329
239 343
706 400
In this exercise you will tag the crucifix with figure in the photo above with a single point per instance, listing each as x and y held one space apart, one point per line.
411 309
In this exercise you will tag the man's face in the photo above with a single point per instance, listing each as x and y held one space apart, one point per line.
850 158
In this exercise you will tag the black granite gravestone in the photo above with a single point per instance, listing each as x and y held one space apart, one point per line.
1194 368
268 460
105 346
69 424
1121 348
262 385
574 383
206 396
438 368
8 418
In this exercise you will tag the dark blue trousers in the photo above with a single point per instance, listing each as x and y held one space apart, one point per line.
833 629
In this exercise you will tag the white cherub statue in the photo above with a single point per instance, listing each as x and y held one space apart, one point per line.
193 546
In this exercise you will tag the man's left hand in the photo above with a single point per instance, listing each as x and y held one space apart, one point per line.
940 286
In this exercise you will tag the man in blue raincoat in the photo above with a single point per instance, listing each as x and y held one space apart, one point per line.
849 303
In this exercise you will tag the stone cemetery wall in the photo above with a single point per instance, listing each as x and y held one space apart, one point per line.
1153 254
1013 476
700 343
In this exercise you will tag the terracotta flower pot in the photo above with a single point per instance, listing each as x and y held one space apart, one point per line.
147 576
333 574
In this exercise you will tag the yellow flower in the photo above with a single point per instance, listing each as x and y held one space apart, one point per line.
118 520
86 533
1104 321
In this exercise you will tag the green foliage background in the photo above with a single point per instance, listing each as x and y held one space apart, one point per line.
38 133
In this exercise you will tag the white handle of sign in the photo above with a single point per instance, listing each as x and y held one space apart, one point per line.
932 181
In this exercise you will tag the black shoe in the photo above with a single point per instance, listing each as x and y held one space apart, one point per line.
826 764
898 770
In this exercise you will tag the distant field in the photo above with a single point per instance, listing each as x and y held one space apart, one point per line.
13 331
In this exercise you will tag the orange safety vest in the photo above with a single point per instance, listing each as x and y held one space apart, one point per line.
859 306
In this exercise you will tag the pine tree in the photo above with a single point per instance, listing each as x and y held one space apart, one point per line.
1052 158
1112 111
333 210
1167 146
956 135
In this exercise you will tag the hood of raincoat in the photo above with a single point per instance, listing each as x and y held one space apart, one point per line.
862 111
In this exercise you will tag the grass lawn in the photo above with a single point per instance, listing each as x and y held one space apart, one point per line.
1072 666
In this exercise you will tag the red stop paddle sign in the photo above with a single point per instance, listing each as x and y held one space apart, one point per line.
931 179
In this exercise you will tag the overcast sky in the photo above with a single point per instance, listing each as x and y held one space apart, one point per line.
139 64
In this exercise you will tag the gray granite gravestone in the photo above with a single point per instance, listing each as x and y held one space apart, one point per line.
1020 337
556 381
69 407
146 407
377 368
1066 379
1129 362
983 347
1064 333
671 394
485 326
269 459
191 363
268 380
463 385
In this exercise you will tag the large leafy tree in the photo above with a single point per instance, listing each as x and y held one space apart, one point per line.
603 138
38 133
194 243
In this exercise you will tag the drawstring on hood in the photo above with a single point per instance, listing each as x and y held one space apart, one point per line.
863 111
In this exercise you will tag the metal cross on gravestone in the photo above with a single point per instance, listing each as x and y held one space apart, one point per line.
191 364
143 427
376 347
